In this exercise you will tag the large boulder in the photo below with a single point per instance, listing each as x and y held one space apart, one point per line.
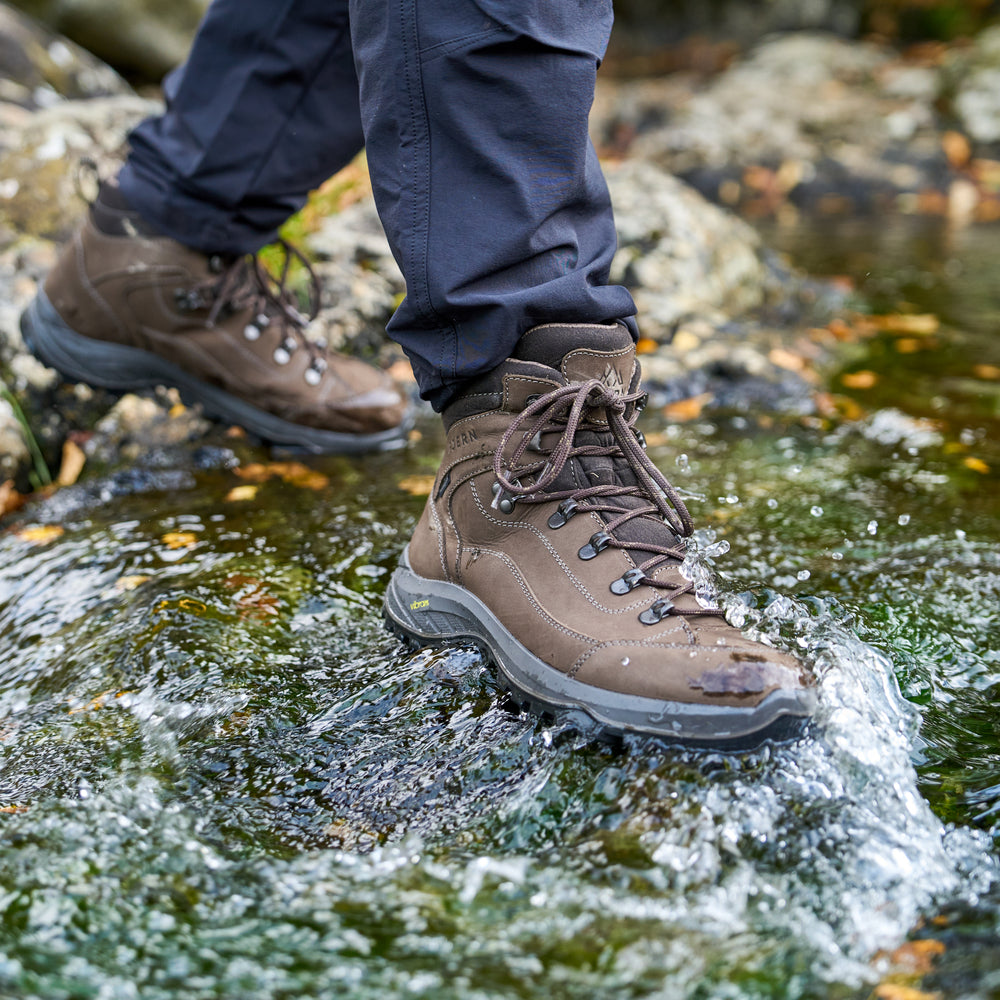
38 67
143 38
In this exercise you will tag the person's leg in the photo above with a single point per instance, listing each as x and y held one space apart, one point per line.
263 111
549 538
156 288
475 117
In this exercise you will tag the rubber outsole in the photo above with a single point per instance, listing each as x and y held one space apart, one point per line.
124 369
426 612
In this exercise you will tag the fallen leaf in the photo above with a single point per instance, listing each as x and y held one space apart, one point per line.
73 460
687 409
646 345
956 148
12 809
976 464
418 486
990 372
913 323
918 957
786 359
253 600
897 991
245 492
177 410
401 371
126 583
911 345
39 534
859 380
294 473
179 539
10 499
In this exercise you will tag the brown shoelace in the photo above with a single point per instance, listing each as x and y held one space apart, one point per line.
567 411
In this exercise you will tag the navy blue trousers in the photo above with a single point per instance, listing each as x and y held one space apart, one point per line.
474 115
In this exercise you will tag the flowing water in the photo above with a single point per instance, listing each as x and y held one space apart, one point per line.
222 779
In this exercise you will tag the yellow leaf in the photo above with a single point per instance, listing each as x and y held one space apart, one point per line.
916 323
245 492
990 372
418 486
976 464
179 539
127 583
39 534
859 380
73 460
646 346
12 809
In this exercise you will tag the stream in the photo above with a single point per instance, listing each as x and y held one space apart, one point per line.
220 778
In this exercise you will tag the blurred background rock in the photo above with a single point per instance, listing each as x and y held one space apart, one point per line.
143 39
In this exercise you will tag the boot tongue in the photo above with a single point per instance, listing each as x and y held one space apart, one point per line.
582 351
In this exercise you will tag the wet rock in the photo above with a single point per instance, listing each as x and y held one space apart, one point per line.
143 38
38 67
39 181
976 76
137 426
803 119
14 453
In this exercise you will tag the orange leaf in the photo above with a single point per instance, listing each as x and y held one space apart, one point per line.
990 372
897 991
956 148
786 359
918 956
645 345
10 499
294 473
687 409
976 464
73 460
418 486
859 380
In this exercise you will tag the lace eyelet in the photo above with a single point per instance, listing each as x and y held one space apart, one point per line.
656 612
502 500
627 582
313 376
251 332
216 264
283 352
599 541
566 510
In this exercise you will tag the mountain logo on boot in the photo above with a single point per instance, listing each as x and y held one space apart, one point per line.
613 380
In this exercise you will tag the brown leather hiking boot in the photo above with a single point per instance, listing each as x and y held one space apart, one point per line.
551 540
126 308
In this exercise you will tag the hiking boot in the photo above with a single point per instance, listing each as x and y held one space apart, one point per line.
552 541
126 308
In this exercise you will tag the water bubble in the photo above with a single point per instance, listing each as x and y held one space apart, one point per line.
682 462
772 503
802 575
816 511
872 528
903 519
